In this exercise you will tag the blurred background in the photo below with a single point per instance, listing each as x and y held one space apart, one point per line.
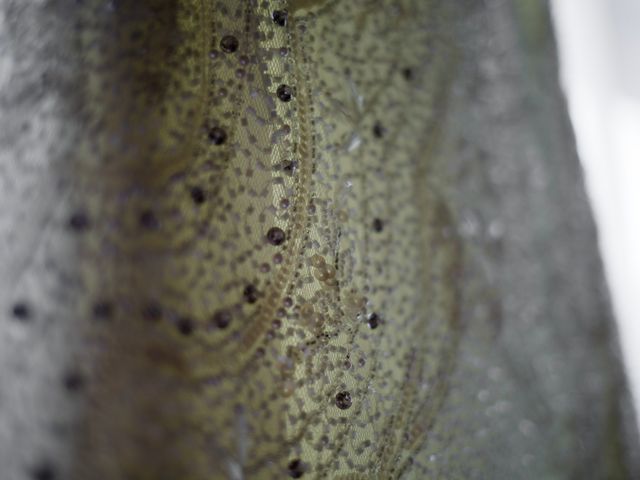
599 46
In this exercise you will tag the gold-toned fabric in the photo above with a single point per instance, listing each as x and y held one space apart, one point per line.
359 297
260 248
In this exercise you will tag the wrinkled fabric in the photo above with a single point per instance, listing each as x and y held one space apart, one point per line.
305 239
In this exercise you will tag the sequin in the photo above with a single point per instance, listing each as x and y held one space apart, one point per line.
217 136
378 130
250 293
197 195
73 381
280 17
284 93
229 44
295 468
79 222
185 326
44 471
221 319
275 236
343 400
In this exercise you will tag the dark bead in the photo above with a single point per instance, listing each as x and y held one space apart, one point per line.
79 222
407 73
276 236
102 310
221 319
250 294
378 130
21 311
229 44
289 166
343 400
148 220
197 195
296 468
378 225
43 472
185 326
217 136
73 381
284 93
373 321
280 17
